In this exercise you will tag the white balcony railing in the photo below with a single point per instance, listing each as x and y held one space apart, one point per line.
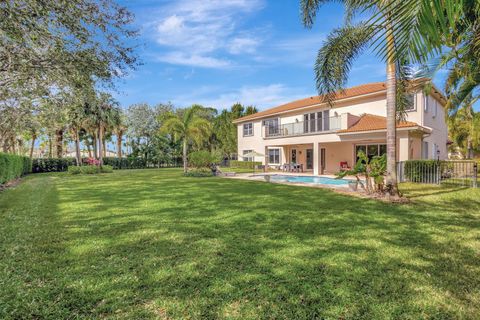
314 126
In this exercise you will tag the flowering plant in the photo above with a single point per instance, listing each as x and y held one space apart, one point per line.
92 162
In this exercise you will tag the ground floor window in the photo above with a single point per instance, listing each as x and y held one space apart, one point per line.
247 158
371 150
274 156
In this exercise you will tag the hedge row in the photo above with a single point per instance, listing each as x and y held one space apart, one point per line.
13 166
52 164
62 164
244 164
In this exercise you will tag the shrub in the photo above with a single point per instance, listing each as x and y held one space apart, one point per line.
106 169
92 162
421 170
199 172
126 163
89 169
74 170
202 159
13 166
244 164
52 164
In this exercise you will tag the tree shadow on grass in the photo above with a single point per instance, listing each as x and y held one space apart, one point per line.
177 247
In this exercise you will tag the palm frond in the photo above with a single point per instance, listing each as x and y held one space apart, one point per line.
335 58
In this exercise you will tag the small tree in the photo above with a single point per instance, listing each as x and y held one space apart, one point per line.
374 169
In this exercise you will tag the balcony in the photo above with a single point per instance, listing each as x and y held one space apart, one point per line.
315 126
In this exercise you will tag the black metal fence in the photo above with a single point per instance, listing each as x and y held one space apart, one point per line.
462 173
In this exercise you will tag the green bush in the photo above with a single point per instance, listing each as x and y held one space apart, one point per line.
244 164
199 172
74 170
202 159
13 166
106 169
90 169
426 170
52 164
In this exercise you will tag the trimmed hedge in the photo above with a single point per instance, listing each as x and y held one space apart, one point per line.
13 166
52 164
244 164
62 164
90 169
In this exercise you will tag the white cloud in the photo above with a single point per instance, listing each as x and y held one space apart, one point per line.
260 96
243 45
195 32
195 60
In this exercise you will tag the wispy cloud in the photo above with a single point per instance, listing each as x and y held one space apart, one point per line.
260 96
200 32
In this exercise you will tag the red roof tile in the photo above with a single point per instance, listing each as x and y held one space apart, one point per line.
370 122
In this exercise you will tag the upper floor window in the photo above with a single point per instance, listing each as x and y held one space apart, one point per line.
248 129
272 127
411 105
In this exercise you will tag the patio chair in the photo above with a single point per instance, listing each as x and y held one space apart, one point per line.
344 166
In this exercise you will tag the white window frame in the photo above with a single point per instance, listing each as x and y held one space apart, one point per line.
245 152
279 156
248 129
425 107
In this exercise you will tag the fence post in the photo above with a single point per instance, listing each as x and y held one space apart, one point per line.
475 174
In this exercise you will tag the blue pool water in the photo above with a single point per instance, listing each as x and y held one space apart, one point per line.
308 179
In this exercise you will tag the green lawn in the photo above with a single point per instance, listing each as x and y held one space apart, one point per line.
152 244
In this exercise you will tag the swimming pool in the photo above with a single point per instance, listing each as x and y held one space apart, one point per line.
309 180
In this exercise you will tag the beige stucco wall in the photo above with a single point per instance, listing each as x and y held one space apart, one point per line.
341 146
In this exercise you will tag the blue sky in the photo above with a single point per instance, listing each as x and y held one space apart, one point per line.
219 52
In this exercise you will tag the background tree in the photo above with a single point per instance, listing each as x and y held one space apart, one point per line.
226 131
464 128
188 127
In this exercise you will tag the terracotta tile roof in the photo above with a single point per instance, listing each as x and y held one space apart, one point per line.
347 93
370 122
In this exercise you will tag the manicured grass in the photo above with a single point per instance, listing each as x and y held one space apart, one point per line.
145 244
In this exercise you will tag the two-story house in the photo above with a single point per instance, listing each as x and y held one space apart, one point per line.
319 136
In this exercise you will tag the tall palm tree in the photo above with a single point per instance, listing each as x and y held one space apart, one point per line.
100 115
76 119
344 45
188 127
119 128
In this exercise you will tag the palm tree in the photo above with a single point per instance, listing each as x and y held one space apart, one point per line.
100 115
76 119
344 45
119 128
188 127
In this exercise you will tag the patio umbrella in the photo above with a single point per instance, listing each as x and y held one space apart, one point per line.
252 155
